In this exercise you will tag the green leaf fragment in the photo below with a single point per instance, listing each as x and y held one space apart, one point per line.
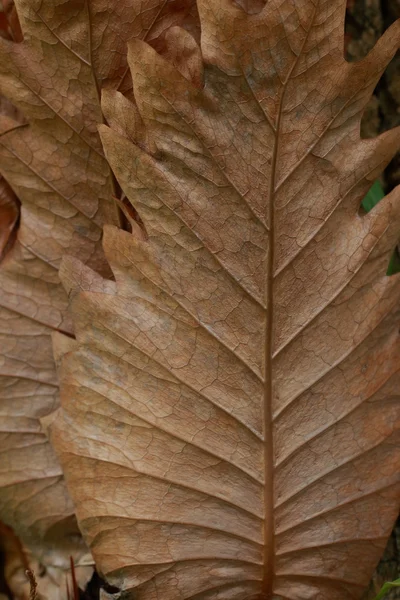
386 588
375 194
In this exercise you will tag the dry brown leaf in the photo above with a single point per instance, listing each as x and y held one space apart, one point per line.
229 420
56 167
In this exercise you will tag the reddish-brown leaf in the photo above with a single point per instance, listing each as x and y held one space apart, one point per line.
9 212
9 203
10 28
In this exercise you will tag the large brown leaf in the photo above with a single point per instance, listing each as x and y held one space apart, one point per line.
56 166
229 417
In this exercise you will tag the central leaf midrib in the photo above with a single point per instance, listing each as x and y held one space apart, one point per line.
269 526
269 532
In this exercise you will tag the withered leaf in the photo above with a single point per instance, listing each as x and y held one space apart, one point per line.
56 167
9 203
229 418
10 28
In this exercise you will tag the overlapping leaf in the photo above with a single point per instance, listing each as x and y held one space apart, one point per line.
56 167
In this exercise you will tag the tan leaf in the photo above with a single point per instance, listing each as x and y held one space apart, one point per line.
229 420
56 167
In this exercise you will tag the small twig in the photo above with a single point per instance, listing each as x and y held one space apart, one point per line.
32 583
75 588
67 586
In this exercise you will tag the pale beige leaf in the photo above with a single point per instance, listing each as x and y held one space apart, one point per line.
230 417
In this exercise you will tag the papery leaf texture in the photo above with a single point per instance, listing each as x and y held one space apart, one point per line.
230 414
55 165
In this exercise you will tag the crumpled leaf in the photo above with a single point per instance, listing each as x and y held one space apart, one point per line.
9 212
56 167
9 203
10 28
229 418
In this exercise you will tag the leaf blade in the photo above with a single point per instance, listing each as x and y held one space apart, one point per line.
206 193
